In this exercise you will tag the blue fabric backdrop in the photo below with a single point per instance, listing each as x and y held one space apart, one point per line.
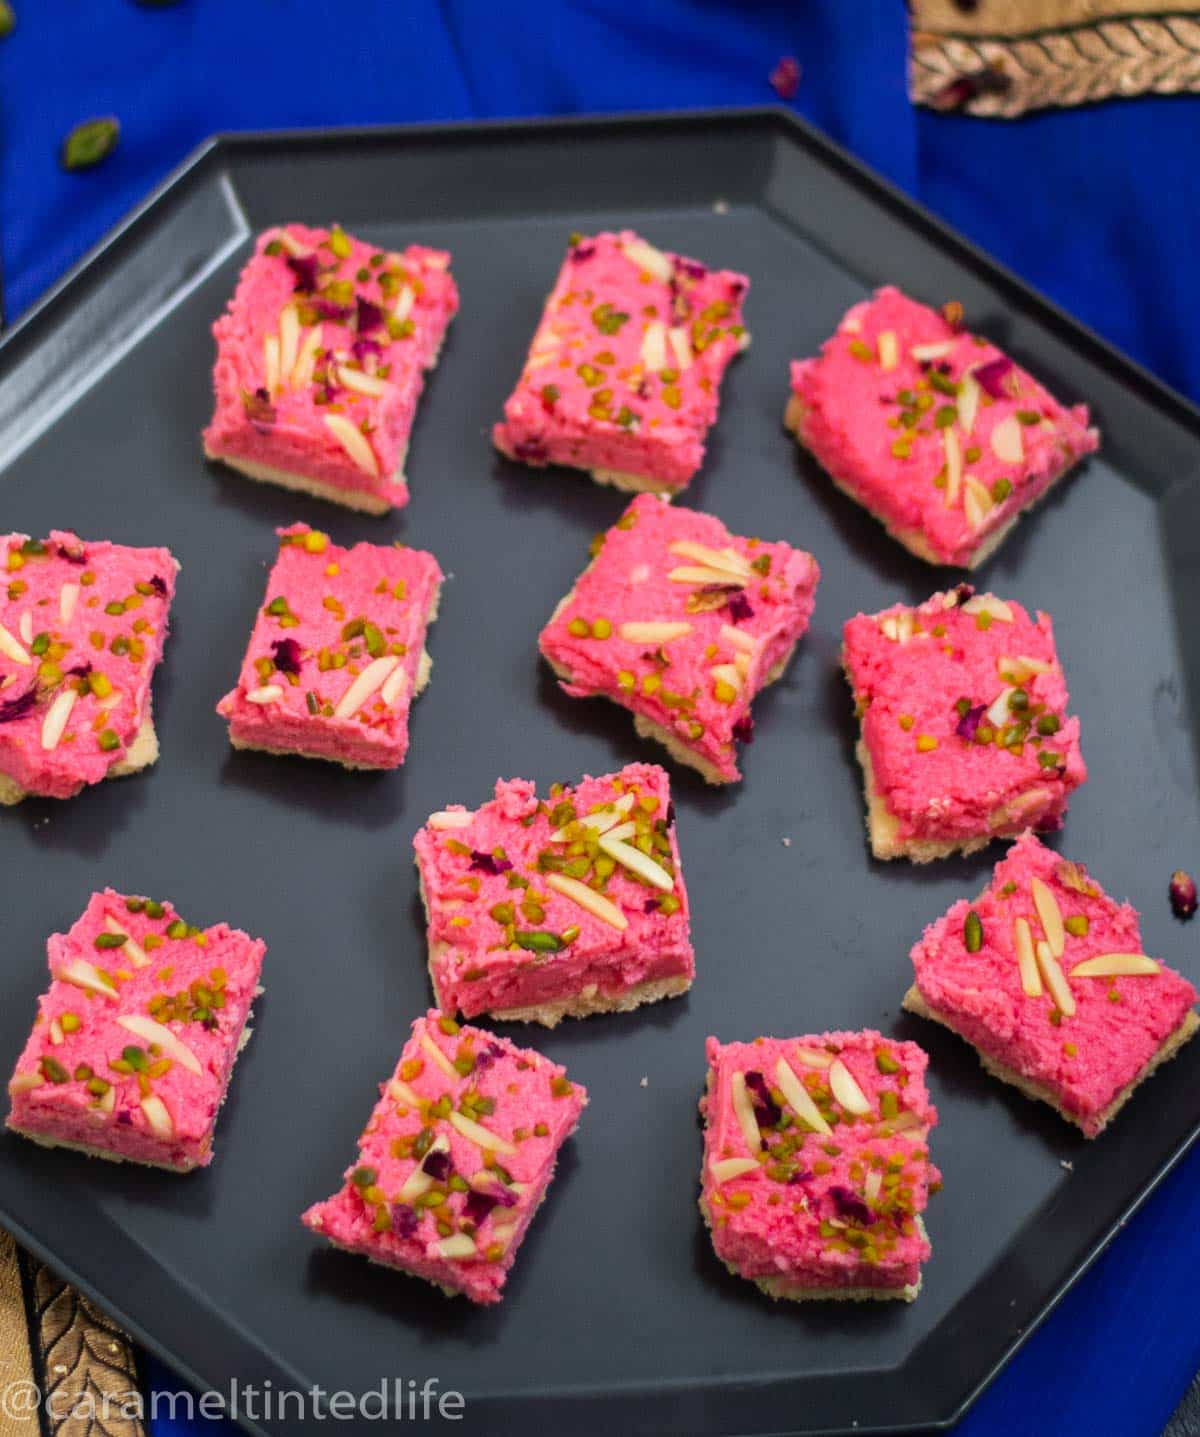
1098 207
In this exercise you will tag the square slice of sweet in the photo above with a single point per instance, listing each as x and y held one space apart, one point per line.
932 429
965 734
321 358
82 627
816 1164
1045 976
682 623
135 1040
562 907
455 1159
624 371
337 653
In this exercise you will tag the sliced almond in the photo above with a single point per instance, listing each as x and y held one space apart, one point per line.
56 1032
798 1097
695 574
11 649
812 1057
402 1093
587 898
88 977
653 633
889 350
68 597
267 694
371 679
989 604
479 1135
741 663
873 1184
26 1082
652 260
291 244
435 1054
726 1169
1056 982
1117 965
394 685
158 1117
654 346
967 403
306 360
904 626
457 1247
977 501
999 713
1031 979
681 346
354 442
25 627
271 363
637 862
1011 813
887 626
727 674
1050 916
602 820
289 338
131 948
451 818
109 1101
1018 670
419 1181
953 452
404 302
141 1025
1007 444
845 1089
743 1111
728 561
924 353
621 831
56 717
362 383
737 638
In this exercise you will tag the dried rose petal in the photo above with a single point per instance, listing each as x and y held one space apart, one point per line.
404 1220
370 316
478 1205
692 268
486 863
739 608
532 451
437 1166
487 1056
361 348
849 1205
1183 894
326 309
304 267
72 553
990 376
286 653
158 584
743 730
767 1108
13 709
581 251
258 406
966 726
785 77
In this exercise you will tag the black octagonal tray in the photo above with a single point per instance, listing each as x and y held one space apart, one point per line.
618 1317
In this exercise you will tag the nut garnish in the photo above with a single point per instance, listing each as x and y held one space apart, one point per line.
798 1097
873 1184
977 501
11 649
458 1246
479 1135
394 685
653 633
354 442
726 561
889 350
989 604
726 1169
143 1026
361 383
652 260
967 402
743 1110
1050 915
267 694
728 674
924 353
130 949
1031 979
419 1181
26 1082
306 360
56 717
845 1089
681 345
737 638
999 712
289 339
1056 981
1007 444
1023 667
88 977
602 821
158 1117
25 627
654 346
1116 965
271 364
953 466
811 1058
710 578
450 818
587 898
637 862
431 1049
68 597
371 678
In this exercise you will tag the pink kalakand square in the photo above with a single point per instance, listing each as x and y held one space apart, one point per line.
623 374
1045 976
321 358
965 733
455 1160
135 1040
816 1165
682 623
932 429
82 626
337 653
563 907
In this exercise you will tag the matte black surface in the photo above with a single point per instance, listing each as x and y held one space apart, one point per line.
618 1317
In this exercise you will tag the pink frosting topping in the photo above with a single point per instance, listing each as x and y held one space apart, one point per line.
625 367
455 1159
508 889
321 356
968 970
335 655
135 1039
816 1168
963 710
683 622
933 429
81 631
